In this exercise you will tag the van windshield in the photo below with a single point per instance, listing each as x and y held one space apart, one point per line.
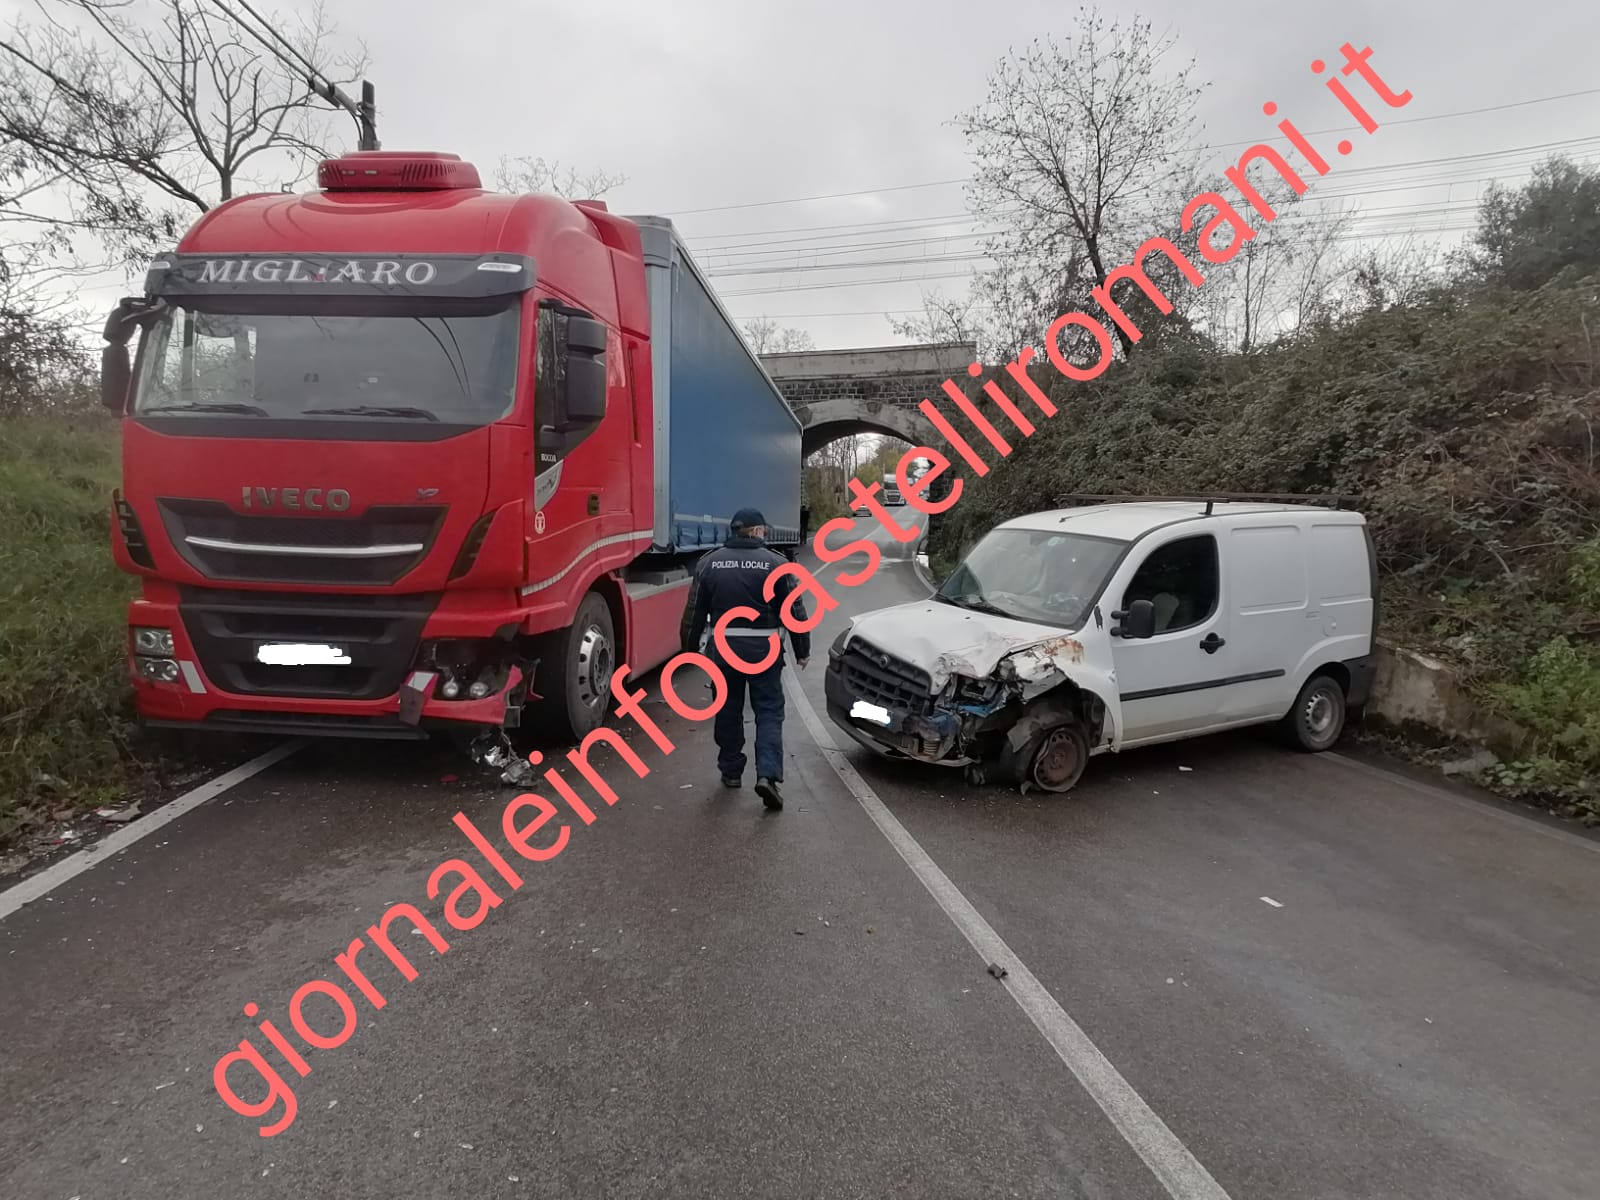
451 361
1034 575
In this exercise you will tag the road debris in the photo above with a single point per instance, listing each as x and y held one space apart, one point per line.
1186 768
1271 901
997 970
120 816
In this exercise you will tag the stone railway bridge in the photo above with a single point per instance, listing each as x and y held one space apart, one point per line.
836 393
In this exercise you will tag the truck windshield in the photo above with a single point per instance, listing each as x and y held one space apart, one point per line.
455 363
1034 575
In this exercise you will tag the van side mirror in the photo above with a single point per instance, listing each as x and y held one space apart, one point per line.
586 371
1138 620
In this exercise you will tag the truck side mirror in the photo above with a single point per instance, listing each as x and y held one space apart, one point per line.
1138 620
586 370
116 374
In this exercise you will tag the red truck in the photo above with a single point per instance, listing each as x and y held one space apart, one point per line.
405 454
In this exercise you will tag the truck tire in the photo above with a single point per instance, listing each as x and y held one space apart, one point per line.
575 677
1317 718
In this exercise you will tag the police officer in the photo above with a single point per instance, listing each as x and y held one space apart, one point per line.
735 576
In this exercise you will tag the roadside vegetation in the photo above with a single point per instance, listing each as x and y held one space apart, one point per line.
1463 419
63 690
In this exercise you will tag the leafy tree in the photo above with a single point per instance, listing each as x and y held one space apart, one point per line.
1528 236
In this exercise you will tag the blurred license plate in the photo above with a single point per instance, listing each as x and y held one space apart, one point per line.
301 654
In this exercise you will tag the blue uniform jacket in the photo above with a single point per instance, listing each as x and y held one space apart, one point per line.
735 576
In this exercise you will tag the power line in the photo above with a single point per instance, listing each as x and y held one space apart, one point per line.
1457 227
1471 112
1461 173
754 260
365 113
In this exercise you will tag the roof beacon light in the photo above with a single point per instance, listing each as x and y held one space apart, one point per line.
397 171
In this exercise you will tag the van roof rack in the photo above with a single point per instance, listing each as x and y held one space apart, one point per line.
1327 499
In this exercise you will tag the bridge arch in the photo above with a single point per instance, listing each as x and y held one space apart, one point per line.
835 393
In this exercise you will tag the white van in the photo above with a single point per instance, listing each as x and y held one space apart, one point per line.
1069 633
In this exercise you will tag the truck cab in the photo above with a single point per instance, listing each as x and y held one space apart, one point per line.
1074 632
401 454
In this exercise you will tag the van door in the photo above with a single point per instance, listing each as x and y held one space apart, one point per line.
1168 683
1275 622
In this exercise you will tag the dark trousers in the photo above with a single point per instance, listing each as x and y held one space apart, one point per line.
765 690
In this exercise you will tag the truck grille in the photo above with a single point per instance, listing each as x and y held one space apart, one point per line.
378 633
880 678
376 548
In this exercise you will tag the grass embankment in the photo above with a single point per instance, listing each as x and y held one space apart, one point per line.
1469 427
63 684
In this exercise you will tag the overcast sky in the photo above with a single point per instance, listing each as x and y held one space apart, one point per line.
725 114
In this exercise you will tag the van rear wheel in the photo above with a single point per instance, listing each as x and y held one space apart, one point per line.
1317 719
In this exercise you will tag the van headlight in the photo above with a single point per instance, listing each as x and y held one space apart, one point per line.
155 642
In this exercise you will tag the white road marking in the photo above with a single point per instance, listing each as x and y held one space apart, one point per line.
1271 901
1179 1172
53 877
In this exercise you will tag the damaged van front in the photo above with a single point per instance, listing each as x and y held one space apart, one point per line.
1006 670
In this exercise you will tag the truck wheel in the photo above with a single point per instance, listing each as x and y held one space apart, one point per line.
1053 759
577 673
1317 718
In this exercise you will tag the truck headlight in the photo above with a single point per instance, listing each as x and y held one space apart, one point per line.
162 670
155 642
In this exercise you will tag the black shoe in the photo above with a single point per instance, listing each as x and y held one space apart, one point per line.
767 789
730 781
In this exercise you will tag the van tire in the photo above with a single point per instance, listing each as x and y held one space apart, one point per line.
1053 759
575 676
1316 721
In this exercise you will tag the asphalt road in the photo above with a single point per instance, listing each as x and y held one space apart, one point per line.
696 998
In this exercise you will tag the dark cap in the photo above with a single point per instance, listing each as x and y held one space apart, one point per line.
747 518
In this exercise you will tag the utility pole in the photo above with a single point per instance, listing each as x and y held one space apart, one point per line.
368 117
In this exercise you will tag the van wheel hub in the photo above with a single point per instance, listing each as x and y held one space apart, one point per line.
1059 761
1320 714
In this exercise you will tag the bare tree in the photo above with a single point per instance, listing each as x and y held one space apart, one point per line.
521 173
766 336
142 121
942 319
1290 276
1080 150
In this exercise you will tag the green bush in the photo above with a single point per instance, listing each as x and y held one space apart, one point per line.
63 687
1558 701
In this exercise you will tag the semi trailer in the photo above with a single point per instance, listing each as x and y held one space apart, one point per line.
405 454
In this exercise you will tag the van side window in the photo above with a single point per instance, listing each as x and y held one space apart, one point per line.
1180 579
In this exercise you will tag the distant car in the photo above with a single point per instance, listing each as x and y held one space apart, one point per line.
1074 632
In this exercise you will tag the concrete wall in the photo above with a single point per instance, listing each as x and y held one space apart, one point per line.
1414 690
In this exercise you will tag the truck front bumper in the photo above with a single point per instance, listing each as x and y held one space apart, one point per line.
220 685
